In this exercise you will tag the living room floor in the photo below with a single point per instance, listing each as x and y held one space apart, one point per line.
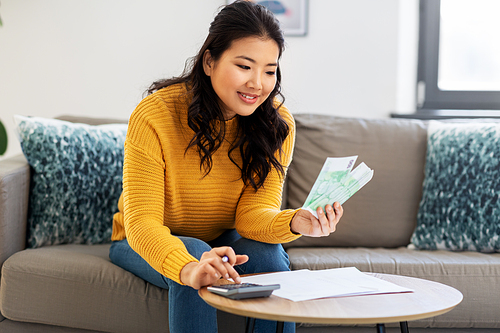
8 326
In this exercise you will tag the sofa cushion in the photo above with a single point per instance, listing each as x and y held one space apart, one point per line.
460 207
76 179
78 286
14 189
383 213
472 273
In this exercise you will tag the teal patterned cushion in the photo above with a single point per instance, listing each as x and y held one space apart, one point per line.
460 206
76 179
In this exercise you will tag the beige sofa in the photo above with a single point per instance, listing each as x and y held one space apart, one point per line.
75 288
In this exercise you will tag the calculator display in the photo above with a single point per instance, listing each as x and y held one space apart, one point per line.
244 290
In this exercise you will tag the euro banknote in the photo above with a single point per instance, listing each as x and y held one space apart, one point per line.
337 182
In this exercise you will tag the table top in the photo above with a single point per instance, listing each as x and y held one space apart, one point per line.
429 299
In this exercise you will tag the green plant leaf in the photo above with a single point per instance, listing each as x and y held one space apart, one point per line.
3 139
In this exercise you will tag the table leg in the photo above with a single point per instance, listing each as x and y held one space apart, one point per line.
250 323
404 327
280 326
380 328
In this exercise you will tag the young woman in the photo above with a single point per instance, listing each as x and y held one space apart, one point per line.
205 159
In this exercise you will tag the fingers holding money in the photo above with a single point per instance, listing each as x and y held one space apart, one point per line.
323 222
329 218
306 223
335 214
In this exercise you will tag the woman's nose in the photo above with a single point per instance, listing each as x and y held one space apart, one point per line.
255 82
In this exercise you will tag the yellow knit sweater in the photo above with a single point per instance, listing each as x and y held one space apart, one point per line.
165 192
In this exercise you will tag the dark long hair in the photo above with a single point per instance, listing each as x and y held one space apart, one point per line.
261 134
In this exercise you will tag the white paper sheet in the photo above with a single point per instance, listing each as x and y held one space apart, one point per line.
304 285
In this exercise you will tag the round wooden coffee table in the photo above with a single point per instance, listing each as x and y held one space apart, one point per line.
429 299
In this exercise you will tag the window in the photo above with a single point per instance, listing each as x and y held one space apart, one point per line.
459 55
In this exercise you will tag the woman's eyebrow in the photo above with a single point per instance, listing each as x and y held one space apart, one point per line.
253 61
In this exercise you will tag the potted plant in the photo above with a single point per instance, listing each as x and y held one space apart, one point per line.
3 139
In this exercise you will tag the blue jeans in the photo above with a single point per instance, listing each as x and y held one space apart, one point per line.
187 311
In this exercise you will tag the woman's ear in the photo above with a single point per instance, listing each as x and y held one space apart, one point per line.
208 63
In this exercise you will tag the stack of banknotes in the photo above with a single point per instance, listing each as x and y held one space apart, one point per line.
337 182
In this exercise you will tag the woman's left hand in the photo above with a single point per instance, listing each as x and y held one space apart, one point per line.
305 223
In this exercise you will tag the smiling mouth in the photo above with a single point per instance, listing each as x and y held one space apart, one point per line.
248 96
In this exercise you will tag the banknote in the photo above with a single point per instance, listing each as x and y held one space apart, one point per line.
337 182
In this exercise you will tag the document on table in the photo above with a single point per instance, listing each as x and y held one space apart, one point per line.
336 182
303 285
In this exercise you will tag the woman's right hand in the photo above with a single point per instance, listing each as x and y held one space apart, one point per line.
211 268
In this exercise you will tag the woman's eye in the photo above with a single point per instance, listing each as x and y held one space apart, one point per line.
271 73
243 67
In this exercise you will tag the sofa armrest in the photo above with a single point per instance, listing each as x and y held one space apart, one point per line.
14 194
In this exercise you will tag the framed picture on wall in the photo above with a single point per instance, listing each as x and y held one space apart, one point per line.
292 15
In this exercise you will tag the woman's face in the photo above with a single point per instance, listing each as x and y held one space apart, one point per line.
244 76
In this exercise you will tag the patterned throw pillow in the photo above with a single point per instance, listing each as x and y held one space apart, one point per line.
76 179
460 207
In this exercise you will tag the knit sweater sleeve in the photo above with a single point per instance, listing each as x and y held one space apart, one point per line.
259 215
144 197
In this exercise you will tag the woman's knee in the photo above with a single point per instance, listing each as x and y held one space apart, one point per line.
264 257
119 251
195 247
276 259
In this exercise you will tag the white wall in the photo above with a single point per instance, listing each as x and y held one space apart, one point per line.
96 57
348 65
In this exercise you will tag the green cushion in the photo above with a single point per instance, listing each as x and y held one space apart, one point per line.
76 179
460 206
